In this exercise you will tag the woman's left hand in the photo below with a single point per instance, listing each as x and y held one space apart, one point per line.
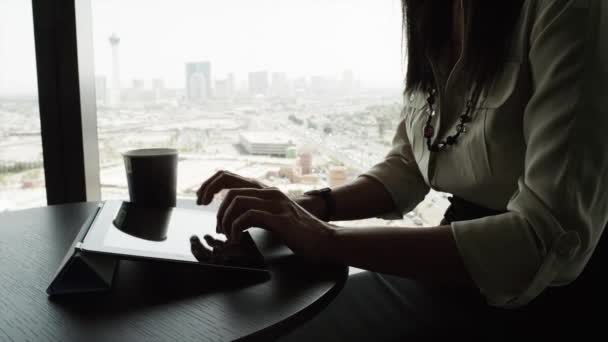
270 209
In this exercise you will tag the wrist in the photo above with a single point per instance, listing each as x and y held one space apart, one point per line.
314 205
327 200
326 247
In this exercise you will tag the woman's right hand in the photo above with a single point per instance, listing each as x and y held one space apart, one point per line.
224 180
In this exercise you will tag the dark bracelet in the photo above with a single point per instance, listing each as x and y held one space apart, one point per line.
325 194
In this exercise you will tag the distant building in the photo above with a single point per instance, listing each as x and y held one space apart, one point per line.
158 87
258 83
221 89
198 88
291 152
101 87
305 162
318 85
138 84
231 84
338 175
265 143
158 84
225 88
137 95
279 85
198 81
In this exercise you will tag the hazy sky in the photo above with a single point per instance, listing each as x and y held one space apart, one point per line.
17 56
300 37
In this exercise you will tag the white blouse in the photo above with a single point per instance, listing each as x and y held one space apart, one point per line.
537 147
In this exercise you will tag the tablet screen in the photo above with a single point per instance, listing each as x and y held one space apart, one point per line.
126 229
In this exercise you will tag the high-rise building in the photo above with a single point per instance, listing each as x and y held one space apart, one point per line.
305 162
221 89
300 86
115 83
198 88
258 83
279 85
225 88
232 83
138 84
198 81
101 89
158 87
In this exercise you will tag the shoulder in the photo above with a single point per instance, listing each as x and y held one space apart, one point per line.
569 12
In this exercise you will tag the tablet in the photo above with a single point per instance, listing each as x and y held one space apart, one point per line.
124 229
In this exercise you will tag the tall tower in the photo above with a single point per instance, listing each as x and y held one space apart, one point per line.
115 83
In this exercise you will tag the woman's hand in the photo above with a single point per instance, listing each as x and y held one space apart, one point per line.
250 204
224 180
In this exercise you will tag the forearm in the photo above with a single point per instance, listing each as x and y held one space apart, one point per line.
362 198
426 254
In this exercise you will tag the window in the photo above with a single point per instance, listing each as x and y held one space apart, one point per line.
21 168
299 94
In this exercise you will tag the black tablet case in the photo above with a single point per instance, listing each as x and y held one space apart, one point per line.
81 272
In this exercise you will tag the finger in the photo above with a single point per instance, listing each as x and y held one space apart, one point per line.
256 218
213 242
268 194
226 180
200 252
240 205
200 191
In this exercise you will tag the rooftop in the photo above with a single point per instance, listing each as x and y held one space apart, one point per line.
267 138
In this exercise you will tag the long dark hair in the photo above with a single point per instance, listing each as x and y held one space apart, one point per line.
428 26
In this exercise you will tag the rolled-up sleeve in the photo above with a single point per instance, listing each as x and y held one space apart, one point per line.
560 207
400 175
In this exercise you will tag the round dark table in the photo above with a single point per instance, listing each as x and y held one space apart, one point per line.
145 303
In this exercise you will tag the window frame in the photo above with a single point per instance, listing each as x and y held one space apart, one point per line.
66 95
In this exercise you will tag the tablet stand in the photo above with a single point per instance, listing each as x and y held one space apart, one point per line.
84 272
80 271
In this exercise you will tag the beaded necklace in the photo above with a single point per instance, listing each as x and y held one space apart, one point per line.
461 128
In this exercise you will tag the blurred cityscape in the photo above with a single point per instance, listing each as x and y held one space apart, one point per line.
267 103
293 133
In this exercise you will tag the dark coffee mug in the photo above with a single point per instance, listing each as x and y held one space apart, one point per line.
152 177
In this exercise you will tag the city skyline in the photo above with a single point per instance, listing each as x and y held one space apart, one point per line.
200 85
301 38
294 36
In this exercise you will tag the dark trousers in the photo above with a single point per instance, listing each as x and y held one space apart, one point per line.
377 307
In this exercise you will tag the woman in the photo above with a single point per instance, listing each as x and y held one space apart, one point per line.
506 110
